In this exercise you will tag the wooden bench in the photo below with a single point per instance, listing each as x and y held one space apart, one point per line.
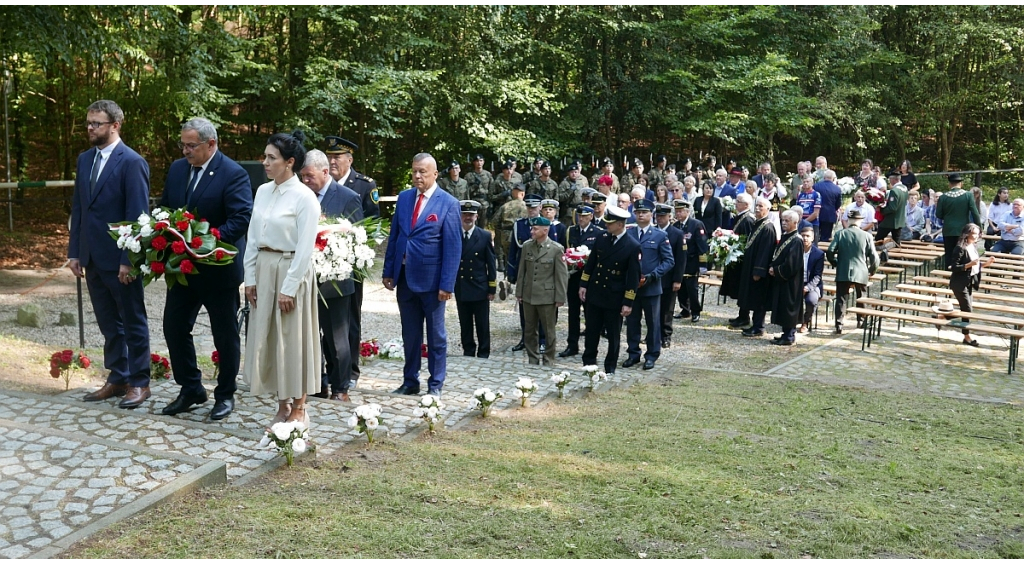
946 292
984 286
988 275
929 299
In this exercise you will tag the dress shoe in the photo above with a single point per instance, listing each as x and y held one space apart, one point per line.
501 291
435 393
751 332
134 398
322 394
839 330
483 355
568 352
695 318
667 343
679 315
184 402
648 364
737 323
342 396
630 362
519 347
106 392
782 342
222 408
406 391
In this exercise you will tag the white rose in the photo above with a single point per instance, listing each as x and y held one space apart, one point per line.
299 446
480 392
372 423
265 441
427 400
489 396
517 394
432 412
417 412
353 421
282 431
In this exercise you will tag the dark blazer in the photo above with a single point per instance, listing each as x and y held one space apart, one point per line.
223 197
431 250
121 194
816 269
340 201
612 274
366 187
656 259
675 239
695 245
478 268
961 278
558 233
712 216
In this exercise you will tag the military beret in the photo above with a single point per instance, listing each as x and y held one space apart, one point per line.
520 187
660 159
643 205
532 200
637 163
545 164
584 210
955 178
454 164
894 172
598 198
680 204
478 157
540 222
737 171
606 161
549 203
509 165
606 180
573 166
663 209
337 145
469 206
613 214
670 167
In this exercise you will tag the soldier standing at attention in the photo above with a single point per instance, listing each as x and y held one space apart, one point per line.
656 176
479 181
656 262
584 233
520 235
339 156
503 221
607 169
452 184
570 192
475 285
543 184
633 176
501 187
541 289
533 174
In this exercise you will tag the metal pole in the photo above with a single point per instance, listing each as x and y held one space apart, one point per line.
81 321
7 149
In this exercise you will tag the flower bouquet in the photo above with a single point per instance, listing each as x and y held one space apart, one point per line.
729 204
846 185
561 380
394 350
159 367
64 363
368 350
876 198
290 437
366 419
344 250
594 375
525 387
724 247
215 358
485 398
429 410
575 258
170 243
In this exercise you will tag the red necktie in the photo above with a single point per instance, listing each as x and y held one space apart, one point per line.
416 209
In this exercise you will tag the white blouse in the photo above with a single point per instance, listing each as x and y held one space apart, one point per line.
285 217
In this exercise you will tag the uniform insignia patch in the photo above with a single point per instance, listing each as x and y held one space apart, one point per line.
374 196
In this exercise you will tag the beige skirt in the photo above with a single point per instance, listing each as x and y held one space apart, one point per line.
282 350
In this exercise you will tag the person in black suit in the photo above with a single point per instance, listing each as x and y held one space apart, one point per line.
112 185
966 274
708 209
216 188
334 307
695 245
476 284
558 231
583 233
608 287
339 157
670 285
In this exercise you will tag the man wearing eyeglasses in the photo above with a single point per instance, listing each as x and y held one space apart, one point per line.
111 185
217 189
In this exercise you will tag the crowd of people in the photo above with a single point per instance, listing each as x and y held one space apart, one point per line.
643 238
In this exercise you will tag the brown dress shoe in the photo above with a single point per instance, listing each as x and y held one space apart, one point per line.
106 392
343 396
134 397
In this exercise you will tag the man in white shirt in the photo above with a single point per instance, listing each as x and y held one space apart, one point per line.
866 211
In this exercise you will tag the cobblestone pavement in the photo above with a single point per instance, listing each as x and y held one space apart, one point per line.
69 468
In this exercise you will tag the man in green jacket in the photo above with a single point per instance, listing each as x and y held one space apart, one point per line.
956 208
852 253
894 210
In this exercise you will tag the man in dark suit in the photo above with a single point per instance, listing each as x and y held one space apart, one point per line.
335 303
608 287
216 188
695 245
583 233
656 262
814 258
111 185
476 284
421 262
339 157
670 284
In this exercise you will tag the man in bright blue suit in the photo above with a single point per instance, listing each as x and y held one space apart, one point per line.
656 262
111 185
215 188
421 262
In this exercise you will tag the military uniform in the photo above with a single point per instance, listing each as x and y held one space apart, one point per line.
578 237
894 212
656 262
852 254
502 222
695 243
480 191
500 192
458 187
668 292
520 234
629 180
541 286
655 178
474 289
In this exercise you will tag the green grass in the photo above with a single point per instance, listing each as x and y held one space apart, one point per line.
711 465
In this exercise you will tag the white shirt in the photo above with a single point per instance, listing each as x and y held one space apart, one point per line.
972 254
284 218
323 190
106 151
426 198
468 232
202 169
341 181
866 210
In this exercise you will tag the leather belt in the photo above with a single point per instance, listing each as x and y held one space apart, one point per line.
287 254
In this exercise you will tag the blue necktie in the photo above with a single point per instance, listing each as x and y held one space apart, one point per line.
196 173
95 173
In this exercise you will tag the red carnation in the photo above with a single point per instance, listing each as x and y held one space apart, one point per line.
157 267
196 242
178 247
182 225
219 255
188 215
159 243
215 357
215 232
84 361
321 243
161 225
186 267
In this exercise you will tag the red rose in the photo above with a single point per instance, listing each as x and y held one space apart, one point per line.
182 225
165 363
423 350
215 232
215 357
178 247
84 361
219 255
186 267
161 225
66 357
153 357
196 242
203 220
188 215
55 372
321 243
157 267
159 243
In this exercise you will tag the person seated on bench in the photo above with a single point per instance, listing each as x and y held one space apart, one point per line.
915 219
966 273
814 268
1011 229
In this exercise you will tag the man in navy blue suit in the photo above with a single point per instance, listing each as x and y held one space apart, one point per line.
216 189
656 262
111 185
421 262
335 305
476 285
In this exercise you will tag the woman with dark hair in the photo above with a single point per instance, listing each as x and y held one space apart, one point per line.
282 347
907 177
661 195
1000 206
966 275
708 209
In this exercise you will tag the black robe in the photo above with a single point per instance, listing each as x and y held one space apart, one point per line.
755 295
732 273
788 282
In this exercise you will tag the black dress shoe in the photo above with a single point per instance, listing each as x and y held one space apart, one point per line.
630 362
405 391
519 347
648 364
679 315
568 352
737 323
184 402
782 342
750 332
695 318
666 344
222 408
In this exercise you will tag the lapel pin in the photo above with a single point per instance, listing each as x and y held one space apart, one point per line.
211 173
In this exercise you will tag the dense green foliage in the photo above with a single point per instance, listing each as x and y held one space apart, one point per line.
940 85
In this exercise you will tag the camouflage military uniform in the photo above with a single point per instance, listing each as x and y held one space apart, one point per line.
629 181
480 190
569 196
502 222
501 191
458 188
529 176
547 189
655 177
